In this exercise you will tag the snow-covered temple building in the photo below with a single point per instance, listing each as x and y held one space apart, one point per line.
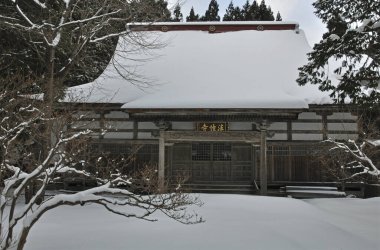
208 97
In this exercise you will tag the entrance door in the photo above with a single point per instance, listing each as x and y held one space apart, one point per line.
221 161
213 161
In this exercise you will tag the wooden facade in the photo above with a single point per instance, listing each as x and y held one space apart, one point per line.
175 143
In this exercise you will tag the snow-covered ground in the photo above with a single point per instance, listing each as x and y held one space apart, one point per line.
232 222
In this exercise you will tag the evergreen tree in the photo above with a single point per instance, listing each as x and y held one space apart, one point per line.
253 12
245 12
237 15
177 15
262 11
149 11
268 15
353 40
212 12
229 12
163 10
192 17
278 17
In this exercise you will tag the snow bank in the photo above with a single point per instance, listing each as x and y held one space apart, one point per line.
232 222
243 69
375 143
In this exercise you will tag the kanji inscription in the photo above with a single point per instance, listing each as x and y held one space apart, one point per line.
212 126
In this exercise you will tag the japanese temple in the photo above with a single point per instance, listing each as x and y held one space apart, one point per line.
216 102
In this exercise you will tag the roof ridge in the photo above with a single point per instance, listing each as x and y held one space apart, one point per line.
213 27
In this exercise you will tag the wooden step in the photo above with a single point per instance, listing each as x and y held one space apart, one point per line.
312 192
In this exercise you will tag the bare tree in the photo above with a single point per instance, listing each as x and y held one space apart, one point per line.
60 41
21 120
58 34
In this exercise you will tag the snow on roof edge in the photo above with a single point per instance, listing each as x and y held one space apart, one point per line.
217 23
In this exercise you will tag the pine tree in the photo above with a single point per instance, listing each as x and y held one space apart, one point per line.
192 17
245 12
163 9
177 15
353 40
262 11
278 17
229 12
149 11
254 12
237 15
212 12
269 15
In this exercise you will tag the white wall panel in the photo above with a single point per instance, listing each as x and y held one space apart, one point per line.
306 126
240 126
278 126
118 135
342 126
116 114
145 135
118 125
147 125
307 137
279 137
341 116
183 125
309 115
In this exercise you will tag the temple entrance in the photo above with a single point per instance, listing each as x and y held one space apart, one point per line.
213 161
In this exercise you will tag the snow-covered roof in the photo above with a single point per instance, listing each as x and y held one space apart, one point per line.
248 68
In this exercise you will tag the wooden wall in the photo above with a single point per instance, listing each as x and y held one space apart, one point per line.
310 126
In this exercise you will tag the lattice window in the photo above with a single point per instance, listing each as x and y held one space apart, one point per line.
221 152
201 152
147 154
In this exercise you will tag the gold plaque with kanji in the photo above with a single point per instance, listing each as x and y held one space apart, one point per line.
212 126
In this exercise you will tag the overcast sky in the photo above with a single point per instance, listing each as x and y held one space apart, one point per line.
300 11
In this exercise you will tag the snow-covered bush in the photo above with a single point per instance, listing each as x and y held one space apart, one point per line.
349 161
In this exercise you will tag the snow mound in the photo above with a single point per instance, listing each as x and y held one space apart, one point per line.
238 222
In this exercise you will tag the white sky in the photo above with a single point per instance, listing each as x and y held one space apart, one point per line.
300 11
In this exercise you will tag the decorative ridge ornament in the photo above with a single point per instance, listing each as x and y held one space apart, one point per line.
164 28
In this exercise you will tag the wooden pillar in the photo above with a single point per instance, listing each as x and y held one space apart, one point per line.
253 164
263 160
324 126
102 124
168 159
161 158
324 114
162 126
360 125
289 129
135 130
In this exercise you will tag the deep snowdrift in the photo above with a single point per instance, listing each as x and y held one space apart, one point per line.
232 222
